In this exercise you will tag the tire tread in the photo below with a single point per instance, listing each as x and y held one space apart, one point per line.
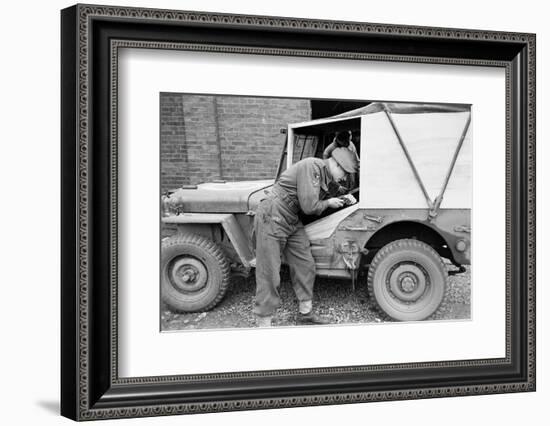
403 244
213 249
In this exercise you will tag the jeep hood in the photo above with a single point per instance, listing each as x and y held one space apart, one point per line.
218 197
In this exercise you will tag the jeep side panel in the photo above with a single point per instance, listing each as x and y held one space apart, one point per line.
365 230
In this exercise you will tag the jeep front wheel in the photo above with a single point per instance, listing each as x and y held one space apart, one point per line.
194 273
407 279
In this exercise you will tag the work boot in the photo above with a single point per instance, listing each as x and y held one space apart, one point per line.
263 322
311 319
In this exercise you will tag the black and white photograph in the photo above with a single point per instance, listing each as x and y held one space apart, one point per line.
278 212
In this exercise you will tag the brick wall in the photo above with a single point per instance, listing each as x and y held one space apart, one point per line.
228 137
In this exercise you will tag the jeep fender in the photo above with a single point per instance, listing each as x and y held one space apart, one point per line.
373 228
229 224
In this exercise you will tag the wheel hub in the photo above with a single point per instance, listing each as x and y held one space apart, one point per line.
407 281
188 274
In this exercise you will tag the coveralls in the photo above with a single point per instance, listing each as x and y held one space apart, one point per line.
279 231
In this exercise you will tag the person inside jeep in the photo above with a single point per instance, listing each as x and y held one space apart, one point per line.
341 140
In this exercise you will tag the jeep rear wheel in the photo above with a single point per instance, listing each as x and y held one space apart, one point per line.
407 279
194 273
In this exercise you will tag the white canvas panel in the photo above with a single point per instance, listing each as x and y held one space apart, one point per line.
431 140
386 179
459 191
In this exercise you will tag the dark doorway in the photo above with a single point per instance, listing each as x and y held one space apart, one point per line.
326 108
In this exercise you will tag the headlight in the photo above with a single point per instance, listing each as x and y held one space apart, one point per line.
165 206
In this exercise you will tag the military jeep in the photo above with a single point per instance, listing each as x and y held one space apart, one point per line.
414 195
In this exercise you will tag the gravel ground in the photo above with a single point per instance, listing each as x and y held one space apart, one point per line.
334 299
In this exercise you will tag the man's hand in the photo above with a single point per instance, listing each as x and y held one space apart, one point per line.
335 203
348 199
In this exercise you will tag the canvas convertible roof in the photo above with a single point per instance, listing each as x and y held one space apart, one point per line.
403 108
421 143
392 107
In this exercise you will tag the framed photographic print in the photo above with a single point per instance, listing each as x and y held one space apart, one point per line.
264 212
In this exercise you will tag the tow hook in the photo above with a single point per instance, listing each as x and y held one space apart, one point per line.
461 269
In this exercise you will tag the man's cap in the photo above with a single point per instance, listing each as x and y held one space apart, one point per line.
346 159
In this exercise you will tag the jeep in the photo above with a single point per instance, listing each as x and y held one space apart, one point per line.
414 196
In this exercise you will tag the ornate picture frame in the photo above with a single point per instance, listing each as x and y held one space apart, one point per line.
91 38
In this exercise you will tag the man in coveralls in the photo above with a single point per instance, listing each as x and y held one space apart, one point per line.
303 187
